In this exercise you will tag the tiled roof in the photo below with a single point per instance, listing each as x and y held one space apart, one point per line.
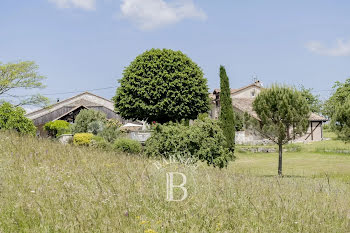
255 84
246 105
316 117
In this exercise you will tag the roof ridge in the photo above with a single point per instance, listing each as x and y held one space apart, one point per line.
64 101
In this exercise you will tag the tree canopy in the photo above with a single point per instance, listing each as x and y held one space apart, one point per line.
337 109
283 113
162 85
314 102
227 117
21 75
12 118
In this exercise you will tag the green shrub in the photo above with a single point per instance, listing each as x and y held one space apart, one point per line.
85 118
82 139
12 118
57 128
110 133
127 145
326 127
95 127
204 141
100 143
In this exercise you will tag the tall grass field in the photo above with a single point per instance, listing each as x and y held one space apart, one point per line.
48 187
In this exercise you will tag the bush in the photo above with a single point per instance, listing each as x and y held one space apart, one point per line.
57 128
100 143
82 139
85 118
111 132
326 127
127 145
96 127
12 118
204 141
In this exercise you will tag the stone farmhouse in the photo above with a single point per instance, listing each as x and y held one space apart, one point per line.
243 102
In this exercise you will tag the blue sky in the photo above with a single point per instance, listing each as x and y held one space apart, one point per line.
85 44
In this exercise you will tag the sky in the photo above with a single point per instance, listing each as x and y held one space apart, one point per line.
84 45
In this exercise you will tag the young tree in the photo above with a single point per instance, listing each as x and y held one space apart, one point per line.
227 117
283 113
162 85
12 118
21 75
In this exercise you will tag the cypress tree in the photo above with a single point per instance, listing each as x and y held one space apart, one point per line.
227 117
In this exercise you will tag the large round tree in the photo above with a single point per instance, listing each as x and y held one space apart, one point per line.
162 85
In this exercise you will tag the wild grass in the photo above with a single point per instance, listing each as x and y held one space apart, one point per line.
48 187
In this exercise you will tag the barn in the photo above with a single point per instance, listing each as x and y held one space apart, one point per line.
68 109
242 101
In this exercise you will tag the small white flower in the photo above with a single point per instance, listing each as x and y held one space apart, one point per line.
32 191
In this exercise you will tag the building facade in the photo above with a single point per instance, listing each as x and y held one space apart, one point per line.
242 101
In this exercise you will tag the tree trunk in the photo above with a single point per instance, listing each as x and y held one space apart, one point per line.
280 159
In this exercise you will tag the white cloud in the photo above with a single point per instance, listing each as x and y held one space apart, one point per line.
83 4
341 48
151 14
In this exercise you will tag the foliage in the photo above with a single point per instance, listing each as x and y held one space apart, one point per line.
12 118
239 121
111 130
314 101
96 127
162 85
336 108
127 145
85 118
57 128
110 133
283 114
22 75
341 93
100 143
227 116
340 121
325 127
82 139
203 140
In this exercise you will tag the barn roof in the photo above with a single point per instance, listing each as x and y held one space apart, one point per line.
86 99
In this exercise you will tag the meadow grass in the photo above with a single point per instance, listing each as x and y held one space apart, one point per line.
48 187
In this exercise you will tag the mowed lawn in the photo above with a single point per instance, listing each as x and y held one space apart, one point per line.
295 164
48 187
